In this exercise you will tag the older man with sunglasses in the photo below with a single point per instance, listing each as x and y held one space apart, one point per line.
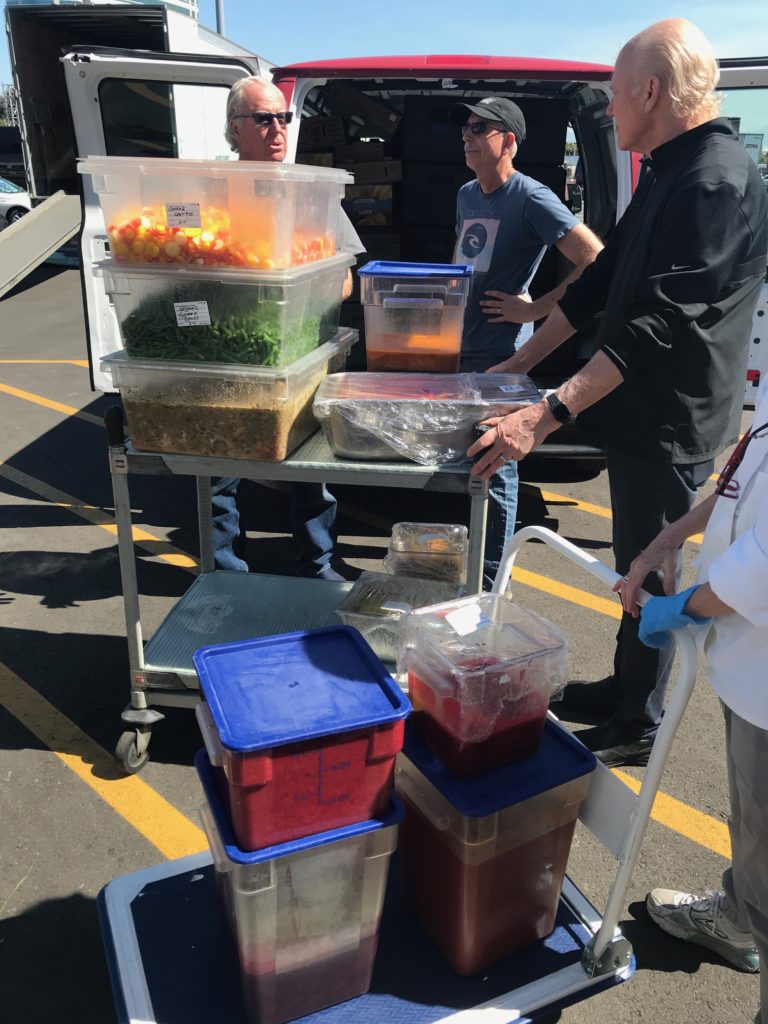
256 129
505 222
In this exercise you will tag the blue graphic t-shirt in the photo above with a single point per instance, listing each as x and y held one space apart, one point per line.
504 235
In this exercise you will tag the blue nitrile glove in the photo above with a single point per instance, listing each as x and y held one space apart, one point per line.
661 614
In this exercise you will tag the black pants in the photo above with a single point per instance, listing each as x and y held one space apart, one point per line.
645 496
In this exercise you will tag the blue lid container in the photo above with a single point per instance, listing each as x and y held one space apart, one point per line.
387 268
245 857
560 759
275 690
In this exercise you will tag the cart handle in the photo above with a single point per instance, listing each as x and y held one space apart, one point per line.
639 807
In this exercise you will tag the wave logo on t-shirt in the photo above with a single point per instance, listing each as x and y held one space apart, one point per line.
476 242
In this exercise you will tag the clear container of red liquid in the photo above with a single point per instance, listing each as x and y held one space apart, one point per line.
481 671
483 860
304 915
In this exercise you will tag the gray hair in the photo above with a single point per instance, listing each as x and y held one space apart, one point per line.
681 56
234 102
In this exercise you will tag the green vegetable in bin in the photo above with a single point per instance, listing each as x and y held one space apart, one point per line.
243 329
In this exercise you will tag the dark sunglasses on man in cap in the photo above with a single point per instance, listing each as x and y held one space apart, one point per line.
482 127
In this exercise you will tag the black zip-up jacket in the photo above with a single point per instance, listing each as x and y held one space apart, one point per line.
677 285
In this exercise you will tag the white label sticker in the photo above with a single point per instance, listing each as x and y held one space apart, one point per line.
468 619
513 389
396 606
192 314
182 215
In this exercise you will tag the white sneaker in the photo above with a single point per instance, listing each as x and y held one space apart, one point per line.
700 919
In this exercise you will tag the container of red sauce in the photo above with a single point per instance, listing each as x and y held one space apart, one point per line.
304 915
304 727
481 671
483 859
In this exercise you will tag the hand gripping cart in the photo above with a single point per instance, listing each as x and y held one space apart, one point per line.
171 958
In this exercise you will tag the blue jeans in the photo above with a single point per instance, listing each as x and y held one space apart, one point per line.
313 520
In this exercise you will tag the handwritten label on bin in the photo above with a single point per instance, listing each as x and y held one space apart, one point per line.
511 389
182 215
468 619
192 314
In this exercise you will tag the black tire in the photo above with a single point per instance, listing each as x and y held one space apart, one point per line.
127 754
15 213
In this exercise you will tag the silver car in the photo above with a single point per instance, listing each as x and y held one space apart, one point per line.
14 202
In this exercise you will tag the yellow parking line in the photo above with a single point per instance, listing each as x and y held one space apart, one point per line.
48 403
44 362
604 605
165 827
700 828
154 545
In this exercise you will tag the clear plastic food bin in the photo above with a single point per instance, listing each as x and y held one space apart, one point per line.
231 213
481 671
220 410
376 603
429 418
306 727
305 915
483 860
432 551
414 315
258 318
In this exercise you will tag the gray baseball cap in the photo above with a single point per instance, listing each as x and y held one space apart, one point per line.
493 108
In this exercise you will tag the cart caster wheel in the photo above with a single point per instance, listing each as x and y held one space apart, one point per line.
127 753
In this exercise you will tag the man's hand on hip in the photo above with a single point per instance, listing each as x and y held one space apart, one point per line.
503 308
511 437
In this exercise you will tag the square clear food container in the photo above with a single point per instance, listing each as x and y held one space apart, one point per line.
414 315
429 418
304 915
483 860
221 410
257 318
305 726
376 603
432 551
481 671
223 213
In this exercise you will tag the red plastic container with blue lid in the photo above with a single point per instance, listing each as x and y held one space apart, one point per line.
306 728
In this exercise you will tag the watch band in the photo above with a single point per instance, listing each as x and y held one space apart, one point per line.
560 410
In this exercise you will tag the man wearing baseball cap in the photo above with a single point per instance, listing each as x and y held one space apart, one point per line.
505 222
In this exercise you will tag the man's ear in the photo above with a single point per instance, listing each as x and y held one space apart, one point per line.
510 141
651 92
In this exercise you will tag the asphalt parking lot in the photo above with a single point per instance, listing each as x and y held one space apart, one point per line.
71 822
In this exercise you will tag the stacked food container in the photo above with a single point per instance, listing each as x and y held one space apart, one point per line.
301 734
414 315
226 285
492 789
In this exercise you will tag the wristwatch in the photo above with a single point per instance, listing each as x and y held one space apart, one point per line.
560 410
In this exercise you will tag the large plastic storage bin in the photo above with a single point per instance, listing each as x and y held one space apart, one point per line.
223 410
258 318
229 213
414 315
305 915
306 727
483 860
481 671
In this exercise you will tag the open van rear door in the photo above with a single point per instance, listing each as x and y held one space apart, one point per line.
133 103
744 82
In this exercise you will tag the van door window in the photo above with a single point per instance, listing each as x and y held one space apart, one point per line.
165 119
747 110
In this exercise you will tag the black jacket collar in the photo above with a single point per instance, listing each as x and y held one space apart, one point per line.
669 152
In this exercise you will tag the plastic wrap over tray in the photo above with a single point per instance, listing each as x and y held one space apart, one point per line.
426 418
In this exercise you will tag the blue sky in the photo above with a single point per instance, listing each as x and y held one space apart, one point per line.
295 30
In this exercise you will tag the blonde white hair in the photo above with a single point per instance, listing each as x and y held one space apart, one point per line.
681 57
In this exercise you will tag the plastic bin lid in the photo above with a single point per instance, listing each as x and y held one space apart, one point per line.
385 268
292 687
111 269
238 856
560 758
162 167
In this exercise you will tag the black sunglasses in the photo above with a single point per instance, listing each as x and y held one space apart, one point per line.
264 119
726 487
481 127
